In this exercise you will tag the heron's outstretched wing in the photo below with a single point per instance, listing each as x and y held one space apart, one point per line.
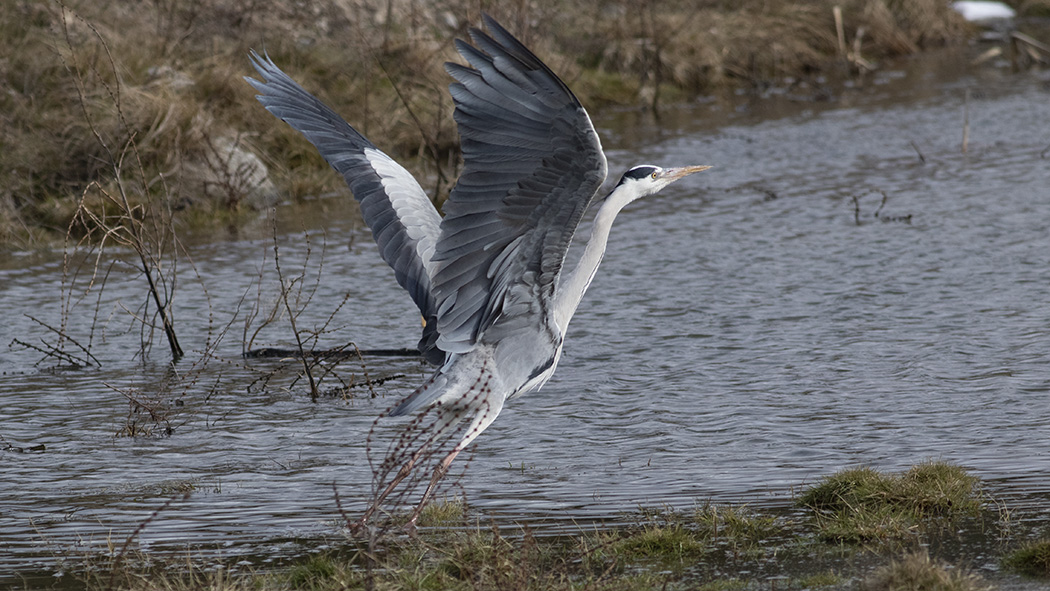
532 165
404 222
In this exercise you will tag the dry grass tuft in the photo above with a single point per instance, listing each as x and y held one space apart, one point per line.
863 505
917 572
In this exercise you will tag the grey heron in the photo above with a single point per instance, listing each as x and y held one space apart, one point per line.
487 277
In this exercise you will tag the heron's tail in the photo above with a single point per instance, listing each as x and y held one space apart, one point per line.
424 395
466 381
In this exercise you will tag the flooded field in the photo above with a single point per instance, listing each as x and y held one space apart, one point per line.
847 286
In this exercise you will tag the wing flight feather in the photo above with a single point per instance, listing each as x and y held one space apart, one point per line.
403 221
532 165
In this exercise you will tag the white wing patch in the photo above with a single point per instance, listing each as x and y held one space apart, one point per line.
412 205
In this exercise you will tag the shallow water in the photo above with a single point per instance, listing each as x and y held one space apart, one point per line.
750 331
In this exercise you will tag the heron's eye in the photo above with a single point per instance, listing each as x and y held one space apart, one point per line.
654 176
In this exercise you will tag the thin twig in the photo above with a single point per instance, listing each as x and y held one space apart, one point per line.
138 530
915 147
291 314
49 350
966 122
882 204
429 141
67 338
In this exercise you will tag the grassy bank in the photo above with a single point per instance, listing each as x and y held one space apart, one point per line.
148 98
942 522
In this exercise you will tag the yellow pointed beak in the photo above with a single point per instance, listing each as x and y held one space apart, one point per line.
676 173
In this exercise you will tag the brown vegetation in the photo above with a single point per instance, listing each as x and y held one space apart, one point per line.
87 81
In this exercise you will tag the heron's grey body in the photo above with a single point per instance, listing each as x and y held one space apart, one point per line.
488 277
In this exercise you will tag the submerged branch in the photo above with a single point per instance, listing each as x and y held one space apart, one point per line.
340 353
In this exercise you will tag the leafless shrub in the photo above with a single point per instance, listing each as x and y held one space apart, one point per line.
318 365
146 230
158 409
124 211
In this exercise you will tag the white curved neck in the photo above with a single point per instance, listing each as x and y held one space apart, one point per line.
571 288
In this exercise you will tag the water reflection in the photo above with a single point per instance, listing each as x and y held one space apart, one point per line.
745 335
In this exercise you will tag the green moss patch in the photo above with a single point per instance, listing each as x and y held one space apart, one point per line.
1032 559
863 505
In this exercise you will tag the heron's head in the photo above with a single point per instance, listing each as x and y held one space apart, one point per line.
647 179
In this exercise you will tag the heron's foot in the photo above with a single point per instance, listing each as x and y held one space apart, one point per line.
410 527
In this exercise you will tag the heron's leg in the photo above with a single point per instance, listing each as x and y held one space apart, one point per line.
443 422
403 473
439 473
479 423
